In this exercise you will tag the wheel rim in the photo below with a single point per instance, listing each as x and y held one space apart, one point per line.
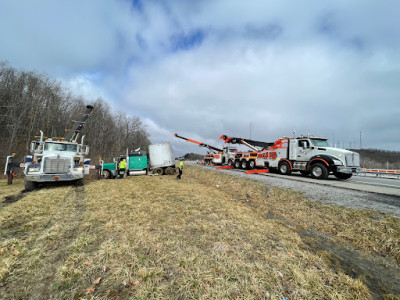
237 164
284 168
106 174
244 164
252 164
317 171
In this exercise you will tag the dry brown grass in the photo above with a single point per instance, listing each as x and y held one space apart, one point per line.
366 230
156 237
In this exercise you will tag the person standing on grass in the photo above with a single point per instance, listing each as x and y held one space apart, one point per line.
180 167
122 168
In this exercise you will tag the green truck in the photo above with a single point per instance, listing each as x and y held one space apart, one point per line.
137 164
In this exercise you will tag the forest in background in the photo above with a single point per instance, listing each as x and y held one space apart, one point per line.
30 102
380 159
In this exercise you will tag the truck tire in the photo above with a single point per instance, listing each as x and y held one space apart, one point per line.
284 168
158 171
230 163
237 164
106 174
343 176
30 185
244 165
169 171
252 164
319 171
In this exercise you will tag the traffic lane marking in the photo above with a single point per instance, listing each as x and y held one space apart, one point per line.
376 184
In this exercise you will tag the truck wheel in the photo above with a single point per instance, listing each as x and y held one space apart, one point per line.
284 168
245 165
343 176
319 171
169 171
230 163
106 174
252 164
30 185
158 171
237 164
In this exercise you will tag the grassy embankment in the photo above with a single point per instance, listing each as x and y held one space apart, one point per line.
156 237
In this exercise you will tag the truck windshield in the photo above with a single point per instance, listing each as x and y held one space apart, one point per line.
60 147
320 143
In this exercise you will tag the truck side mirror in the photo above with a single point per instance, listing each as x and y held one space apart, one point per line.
304 144
33 147
86 150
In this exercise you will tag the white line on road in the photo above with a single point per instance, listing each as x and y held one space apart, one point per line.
377 184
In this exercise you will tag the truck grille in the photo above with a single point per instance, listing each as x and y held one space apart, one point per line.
56 165
353 160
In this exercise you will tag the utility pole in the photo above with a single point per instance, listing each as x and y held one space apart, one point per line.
360 141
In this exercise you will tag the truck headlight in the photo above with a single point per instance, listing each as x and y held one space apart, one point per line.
78 168
337 162
33 168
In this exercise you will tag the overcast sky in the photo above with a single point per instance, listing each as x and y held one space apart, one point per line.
206 68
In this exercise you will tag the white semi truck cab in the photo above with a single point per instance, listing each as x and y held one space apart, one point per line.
309 155
58 159
55 160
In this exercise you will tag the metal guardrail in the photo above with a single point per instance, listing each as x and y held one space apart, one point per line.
380 173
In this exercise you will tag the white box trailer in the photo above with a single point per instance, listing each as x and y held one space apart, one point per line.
162 159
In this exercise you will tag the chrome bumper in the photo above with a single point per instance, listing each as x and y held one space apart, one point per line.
53 177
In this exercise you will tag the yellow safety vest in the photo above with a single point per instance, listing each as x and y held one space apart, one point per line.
181 165
122 165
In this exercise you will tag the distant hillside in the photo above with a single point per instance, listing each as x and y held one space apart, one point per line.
382 159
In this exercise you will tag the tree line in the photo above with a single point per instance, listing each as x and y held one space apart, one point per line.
30 102
379 159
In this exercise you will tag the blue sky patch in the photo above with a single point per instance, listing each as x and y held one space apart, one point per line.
186 41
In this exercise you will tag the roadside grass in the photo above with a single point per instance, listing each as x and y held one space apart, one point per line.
22 222
209 235
7 190
366 230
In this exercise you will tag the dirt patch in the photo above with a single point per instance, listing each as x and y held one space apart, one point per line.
13 198
382 279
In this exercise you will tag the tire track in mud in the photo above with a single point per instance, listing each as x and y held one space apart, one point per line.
50 248
7 200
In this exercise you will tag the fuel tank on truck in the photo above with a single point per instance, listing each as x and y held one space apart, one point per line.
161 155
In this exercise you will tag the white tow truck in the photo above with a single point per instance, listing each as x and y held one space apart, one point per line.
309 155
58 159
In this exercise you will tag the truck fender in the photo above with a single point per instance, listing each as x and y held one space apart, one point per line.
288 161
325 159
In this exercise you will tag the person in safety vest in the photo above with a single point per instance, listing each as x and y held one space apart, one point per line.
122 168
180 167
